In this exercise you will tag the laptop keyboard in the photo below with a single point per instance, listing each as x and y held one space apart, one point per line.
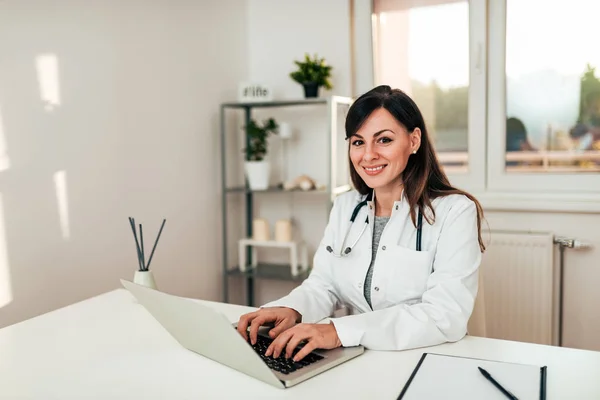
282 364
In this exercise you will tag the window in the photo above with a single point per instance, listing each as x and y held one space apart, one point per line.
511 98
544 96
424 47
552 88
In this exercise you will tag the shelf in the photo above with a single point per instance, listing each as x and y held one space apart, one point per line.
272 189
280 103
270 271
238 190
278 189
270 243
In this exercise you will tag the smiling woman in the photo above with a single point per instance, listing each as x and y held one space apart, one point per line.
390 153
405 283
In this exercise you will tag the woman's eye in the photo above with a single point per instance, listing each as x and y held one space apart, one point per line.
357 143
385 140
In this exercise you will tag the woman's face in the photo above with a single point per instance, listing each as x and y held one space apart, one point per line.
380 149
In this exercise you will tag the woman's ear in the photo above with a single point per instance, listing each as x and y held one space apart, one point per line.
415 140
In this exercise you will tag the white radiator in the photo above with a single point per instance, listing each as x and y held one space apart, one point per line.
519 282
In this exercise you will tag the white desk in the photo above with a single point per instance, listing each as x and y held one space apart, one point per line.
109 347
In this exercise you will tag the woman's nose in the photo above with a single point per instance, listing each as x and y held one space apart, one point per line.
370 153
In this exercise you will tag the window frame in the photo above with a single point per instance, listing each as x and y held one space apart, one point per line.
475 178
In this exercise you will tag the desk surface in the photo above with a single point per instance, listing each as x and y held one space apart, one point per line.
109 347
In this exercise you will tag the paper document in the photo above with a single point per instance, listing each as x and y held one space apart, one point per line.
438 376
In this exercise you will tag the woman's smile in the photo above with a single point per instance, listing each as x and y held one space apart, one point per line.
374 170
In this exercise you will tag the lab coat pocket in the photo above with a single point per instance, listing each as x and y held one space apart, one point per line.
409 272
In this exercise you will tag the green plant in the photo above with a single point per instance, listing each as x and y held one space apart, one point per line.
257 138
589 85
313 70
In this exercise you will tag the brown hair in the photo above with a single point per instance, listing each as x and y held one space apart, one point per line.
423 178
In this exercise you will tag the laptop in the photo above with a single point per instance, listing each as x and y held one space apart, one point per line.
209 333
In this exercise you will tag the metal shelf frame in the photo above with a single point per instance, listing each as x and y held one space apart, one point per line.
271 271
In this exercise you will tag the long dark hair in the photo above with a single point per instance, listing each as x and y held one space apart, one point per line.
423 178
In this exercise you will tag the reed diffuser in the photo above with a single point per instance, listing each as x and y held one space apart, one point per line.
143 276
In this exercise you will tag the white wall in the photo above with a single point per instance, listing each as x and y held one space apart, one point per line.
280 32
136 134
362 44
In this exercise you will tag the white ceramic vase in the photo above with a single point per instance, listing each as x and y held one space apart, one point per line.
257 173
144 278
285 130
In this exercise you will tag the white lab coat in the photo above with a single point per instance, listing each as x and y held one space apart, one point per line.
419 298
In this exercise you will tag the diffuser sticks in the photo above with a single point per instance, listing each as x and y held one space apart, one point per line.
139 245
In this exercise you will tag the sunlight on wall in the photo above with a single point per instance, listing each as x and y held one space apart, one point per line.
5 284
4 161
47 70
60 182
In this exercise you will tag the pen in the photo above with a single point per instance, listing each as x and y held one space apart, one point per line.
489 378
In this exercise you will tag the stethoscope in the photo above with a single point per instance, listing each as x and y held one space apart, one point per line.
355 212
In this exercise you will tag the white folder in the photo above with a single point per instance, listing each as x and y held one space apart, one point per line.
438 376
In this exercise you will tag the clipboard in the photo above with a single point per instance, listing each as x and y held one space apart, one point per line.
440 376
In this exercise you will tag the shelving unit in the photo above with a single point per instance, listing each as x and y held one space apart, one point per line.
333 187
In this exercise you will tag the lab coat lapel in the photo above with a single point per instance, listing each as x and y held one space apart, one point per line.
371 216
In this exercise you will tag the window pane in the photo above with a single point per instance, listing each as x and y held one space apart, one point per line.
422 47
553 88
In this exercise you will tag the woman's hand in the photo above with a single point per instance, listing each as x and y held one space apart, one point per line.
282 317
318 336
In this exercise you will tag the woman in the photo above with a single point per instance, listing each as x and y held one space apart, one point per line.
399 296
516 136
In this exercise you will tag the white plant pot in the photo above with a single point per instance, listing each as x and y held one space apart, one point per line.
285 130
144 278
257 173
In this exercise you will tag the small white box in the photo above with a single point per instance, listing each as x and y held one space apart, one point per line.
254 92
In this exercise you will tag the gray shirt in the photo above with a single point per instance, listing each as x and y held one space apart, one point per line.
380 223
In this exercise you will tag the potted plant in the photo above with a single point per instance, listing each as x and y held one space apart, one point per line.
256 167
312 73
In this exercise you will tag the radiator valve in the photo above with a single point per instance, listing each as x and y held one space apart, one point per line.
571 243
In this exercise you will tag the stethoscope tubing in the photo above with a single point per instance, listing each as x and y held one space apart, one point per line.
355 212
